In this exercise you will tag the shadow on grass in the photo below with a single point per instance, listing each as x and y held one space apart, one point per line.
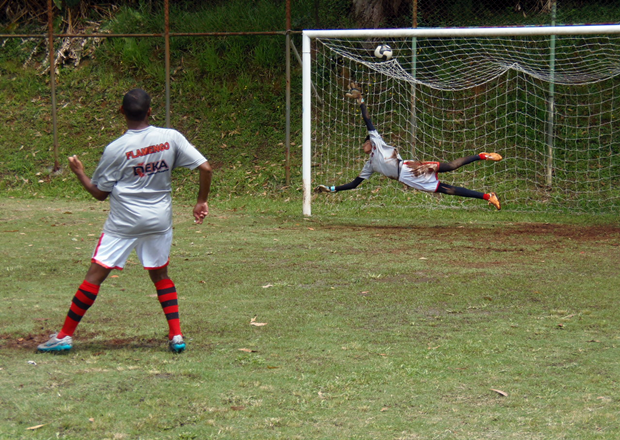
85 342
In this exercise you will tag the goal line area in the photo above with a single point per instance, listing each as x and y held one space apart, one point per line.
546 98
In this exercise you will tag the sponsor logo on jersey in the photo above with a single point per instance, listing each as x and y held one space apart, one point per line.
141 152
146 169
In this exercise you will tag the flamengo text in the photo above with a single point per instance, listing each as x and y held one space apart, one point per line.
147 150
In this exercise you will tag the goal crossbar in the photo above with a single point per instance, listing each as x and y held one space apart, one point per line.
466 32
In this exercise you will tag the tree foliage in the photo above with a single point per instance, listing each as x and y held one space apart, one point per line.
16 14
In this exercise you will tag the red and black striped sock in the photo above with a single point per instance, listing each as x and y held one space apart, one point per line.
83 299
167 296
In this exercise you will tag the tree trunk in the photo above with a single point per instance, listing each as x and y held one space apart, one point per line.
375 13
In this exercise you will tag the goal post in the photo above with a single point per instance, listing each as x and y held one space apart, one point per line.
546 98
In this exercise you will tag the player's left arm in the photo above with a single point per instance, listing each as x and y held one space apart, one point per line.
201 209
366 118
356 93
78 169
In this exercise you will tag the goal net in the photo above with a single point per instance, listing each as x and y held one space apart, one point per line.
547 99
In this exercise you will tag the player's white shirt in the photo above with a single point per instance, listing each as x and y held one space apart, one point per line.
384 158
136 170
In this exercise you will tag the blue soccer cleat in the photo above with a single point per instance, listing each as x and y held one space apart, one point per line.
176 344
55 345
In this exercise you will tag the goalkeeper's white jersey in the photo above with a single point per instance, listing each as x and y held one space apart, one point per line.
384 158
136 170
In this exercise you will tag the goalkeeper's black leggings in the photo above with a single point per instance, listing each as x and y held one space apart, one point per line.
444 188
457 163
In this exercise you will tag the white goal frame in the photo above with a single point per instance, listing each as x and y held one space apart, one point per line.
309 35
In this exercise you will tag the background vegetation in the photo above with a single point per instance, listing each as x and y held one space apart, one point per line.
365 13
227 97
227 92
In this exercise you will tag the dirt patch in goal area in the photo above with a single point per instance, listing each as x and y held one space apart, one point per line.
498 245
501 233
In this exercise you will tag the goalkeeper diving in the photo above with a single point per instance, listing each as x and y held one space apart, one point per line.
384 159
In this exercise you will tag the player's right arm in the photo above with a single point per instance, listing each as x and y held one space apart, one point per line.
78 169
355 93
201 209
351 185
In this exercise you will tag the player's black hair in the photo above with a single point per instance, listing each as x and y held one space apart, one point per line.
136 104
367 138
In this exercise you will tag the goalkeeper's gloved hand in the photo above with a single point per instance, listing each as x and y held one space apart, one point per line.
324 189
354 93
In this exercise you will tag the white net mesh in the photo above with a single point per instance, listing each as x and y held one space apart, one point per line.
549 105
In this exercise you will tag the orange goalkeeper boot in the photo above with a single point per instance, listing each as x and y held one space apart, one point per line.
493 200
491 156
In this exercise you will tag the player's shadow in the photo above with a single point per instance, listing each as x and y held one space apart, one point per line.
89 343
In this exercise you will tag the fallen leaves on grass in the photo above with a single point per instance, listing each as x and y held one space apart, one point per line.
500 392
32 428
257 324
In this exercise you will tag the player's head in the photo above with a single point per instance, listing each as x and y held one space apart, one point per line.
367 145
136 105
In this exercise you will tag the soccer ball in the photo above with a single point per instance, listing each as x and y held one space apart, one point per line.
384 52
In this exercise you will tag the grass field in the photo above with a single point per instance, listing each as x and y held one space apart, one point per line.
386 325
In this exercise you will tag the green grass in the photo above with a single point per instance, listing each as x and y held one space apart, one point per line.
385 325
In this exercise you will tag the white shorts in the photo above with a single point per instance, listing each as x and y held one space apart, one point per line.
424 182
153 250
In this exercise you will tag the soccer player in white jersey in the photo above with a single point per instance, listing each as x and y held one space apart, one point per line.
135 173
384 159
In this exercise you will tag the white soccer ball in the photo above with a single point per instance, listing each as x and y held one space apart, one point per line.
384 52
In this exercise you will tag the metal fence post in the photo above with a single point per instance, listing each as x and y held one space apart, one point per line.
50 32
167 56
